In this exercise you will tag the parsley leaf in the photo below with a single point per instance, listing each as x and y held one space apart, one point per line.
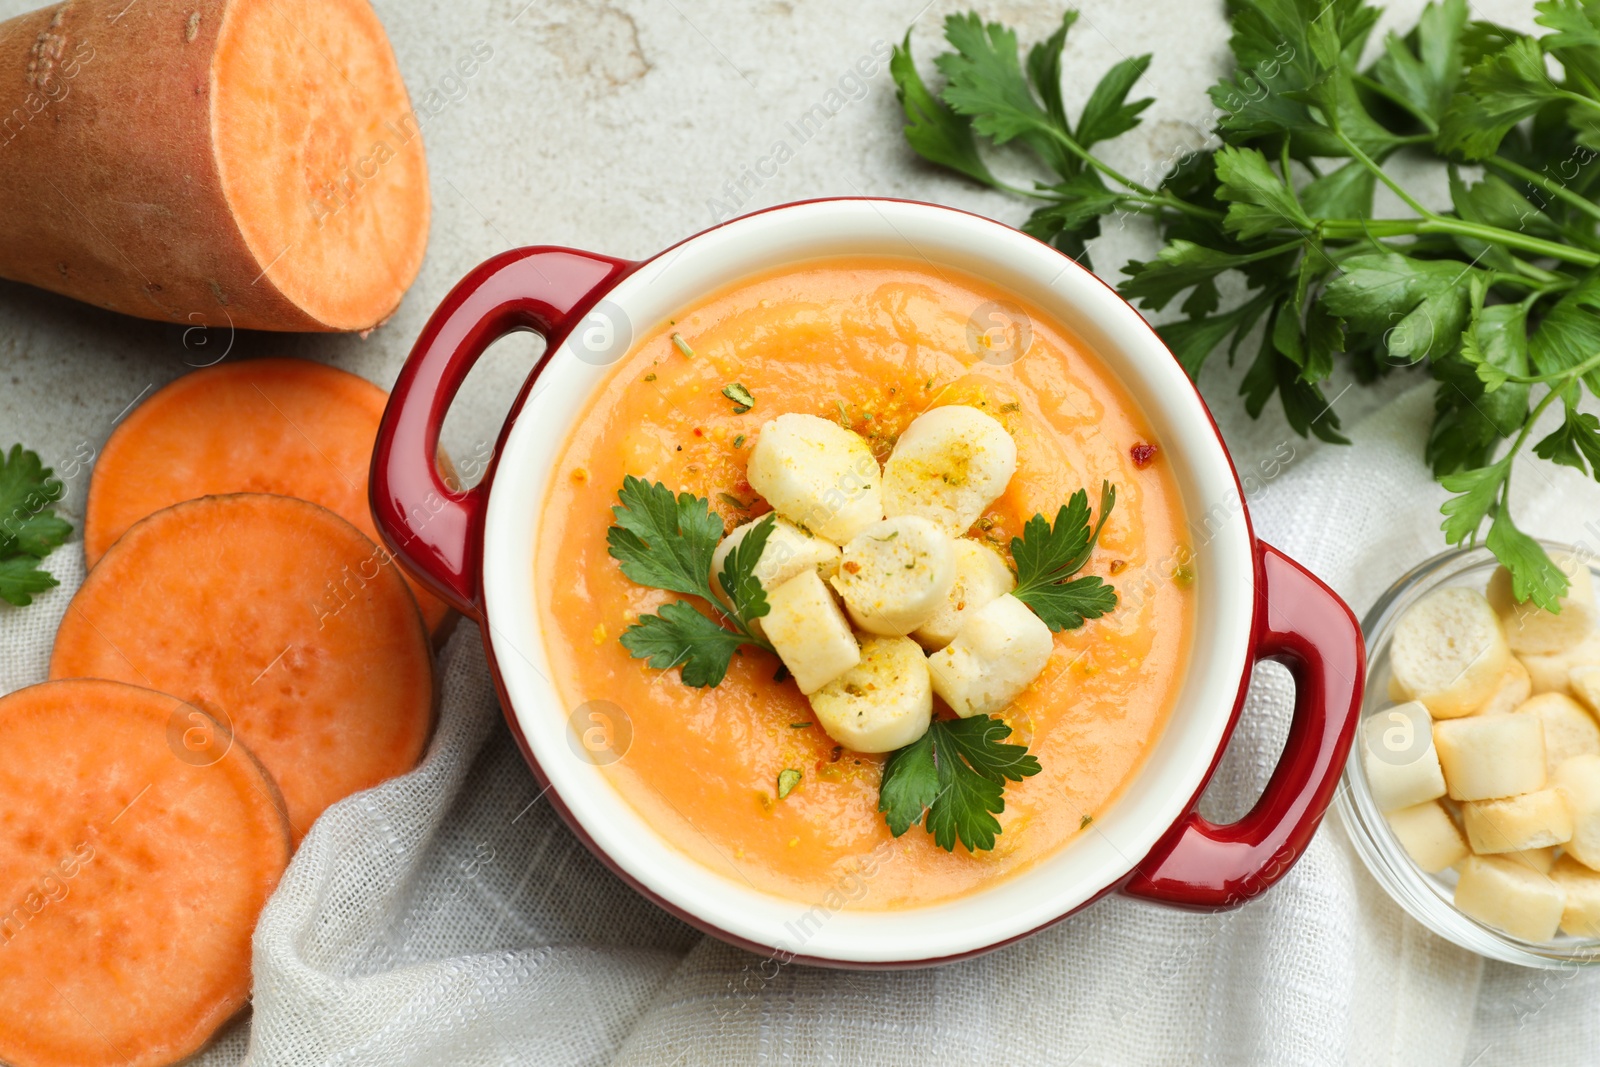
1576 41
1506 87
1281 50
990 92
936 132
1345 193
666 541
29 527
1569 334
21 577
1193 340
663 539
680 636
1067 605
952 780
1073 218
1047 556
1106 114
1417 306
1262 202
1477 490
1495 202
1423 68
1577 441
1477 404
987 82
738 575
1178 266
1304 406
1044 70
910 784
1533 575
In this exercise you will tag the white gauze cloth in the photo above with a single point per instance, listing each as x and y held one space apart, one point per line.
449 917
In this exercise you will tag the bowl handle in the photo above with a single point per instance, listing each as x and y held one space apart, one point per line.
1303 624
436 531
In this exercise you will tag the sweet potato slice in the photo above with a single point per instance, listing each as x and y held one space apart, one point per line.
285 426
138 843
278 618
233 163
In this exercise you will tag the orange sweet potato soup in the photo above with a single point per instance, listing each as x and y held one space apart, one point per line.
869 343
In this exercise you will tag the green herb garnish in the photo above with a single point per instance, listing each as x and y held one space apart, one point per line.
953 778
1048 556
953 781
665 540
733 501
1497 296
682 346
742 400
29 528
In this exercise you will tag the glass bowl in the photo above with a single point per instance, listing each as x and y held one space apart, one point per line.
1428 896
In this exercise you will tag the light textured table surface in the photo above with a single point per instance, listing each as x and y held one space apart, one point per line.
615 126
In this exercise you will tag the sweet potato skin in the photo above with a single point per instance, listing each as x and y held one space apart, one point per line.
141 226
110 189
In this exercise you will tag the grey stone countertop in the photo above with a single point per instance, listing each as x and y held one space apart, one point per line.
622 126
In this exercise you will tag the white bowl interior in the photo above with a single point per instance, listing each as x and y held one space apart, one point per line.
1043 278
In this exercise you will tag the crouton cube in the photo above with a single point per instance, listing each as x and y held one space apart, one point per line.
1514 824
1579 780
1428 835
1490 756
1568 729
1510 897
1401 763
1581 917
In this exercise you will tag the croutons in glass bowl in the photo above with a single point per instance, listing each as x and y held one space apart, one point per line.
1473 788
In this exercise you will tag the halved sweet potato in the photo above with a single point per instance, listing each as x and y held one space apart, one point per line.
247 163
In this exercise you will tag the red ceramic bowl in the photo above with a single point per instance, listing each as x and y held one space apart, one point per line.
476 549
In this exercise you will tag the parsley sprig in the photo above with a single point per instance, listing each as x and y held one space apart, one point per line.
29 527
1047 556
665 540
953 781
1497 295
